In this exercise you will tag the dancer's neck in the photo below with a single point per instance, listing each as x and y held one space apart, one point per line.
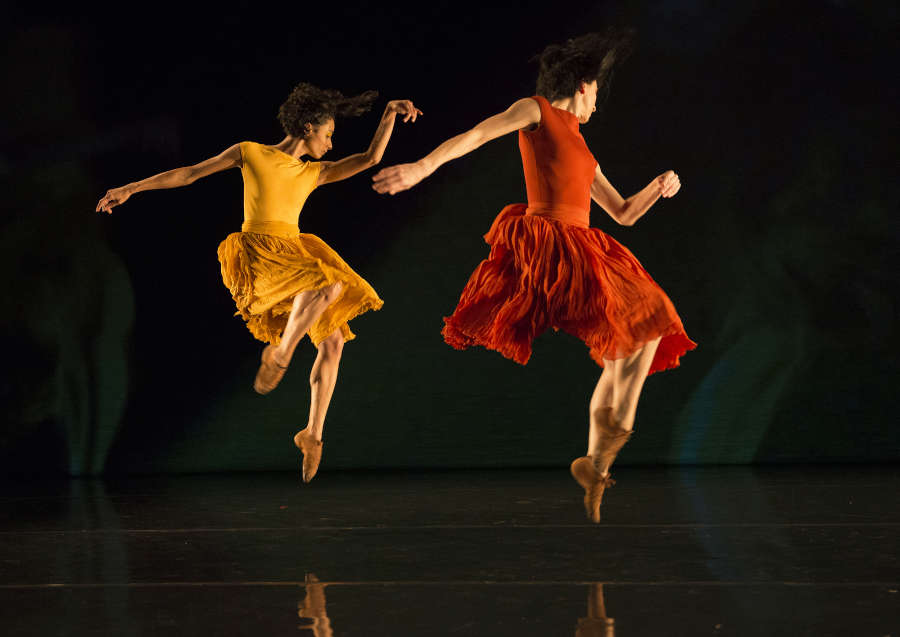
565 104
293 146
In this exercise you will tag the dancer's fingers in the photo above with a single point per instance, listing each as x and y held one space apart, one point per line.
387 187
403 108
674 184
413 112
379 178
668 183
104 200
671 188
393 187
395 179
380 186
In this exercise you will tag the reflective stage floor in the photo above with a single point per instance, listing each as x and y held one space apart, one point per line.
707 551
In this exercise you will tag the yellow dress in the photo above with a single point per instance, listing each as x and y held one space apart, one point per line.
270 261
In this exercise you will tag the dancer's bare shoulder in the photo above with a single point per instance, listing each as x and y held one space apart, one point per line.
523 113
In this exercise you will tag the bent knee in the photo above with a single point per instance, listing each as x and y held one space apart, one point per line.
303 299
331 293
333 345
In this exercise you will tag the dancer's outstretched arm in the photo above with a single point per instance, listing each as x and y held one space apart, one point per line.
394 179
626 211
229 158
353 164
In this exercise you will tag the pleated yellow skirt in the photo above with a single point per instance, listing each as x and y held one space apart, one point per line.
265 271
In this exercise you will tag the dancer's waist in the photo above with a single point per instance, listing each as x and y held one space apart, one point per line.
277 228
575 215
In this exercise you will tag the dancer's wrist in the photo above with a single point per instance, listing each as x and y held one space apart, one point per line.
426 166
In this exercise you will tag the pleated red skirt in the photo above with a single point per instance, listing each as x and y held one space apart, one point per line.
544 273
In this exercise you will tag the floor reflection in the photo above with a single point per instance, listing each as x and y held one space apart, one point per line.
809 551
597 623
313 608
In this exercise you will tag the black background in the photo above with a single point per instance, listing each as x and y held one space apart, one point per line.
780 251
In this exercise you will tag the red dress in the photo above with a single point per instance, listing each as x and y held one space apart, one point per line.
548 268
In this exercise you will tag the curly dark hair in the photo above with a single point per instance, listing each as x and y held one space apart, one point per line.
308 103
589 57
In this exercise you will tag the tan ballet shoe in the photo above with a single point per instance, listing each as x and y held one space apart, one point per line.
270 373
586 474
587 469
612 439
312 453
596 624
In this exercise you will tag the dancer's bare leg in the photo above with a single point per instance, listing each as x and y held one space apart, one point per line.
630 376
307 308
602 401
321 383
615 399
322 379
612 409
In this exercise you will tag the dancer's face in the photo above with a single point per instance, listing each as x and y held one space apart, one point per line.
318 142
586 103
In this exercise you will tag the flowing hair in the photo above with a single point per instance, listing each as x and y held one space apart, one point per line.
314 105
589 57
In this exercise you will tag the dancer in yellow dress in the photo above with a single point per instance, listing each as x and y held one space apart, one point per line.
286 283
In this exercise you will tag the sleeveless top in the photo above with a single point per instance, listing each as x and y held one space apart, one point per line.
558 167
276 186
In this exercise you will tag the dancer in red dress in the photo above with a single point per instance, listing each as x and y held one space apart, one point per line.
548 268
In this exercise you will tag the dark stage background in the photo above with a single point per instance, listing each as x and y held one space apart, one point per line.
780 252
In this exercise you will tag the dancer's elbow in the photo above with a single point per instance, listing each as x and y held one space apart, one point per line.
186 175
625 215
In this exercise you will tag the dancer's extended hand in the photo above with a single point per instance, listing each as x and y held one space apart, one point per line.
669 183
405 107
112 198
394 179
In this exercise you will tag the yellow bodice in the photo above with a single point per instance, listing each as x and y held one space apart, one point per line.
276 186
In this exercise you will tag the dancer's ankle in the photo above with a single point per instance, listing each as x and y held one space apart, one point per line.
602 471
622 420
310 432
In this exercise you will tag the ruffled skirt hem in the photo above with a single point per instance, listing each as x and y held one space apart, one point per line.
542 273
265 272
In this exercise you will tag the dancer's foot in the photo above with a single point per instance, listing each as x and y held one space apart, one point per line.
594 484
312 453
270 372
612 437
596 624
313 607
